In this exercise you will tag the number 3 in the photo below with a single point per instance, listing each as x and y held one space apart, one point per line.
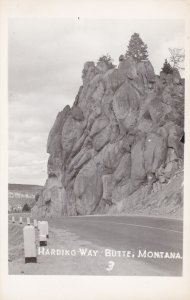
110 265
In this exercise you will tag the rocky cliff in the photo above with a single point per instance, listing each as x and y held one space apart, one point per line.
119 145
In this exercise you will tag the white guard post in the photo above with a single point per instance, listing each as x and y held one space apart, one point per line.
35 223
47 230
43 233
13 219
20 220
28 221
30 252
39 225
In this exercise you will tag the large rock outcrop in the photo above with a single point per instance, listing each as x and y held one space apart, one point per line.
122 135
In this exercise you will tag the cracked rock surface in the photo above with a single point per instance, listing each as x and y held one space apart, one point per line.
121 136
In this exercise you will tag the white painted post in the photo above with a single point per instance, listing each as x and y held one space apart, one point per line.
47 231
30 252
20 220
43 233
13 219
39 225
35 223
28 221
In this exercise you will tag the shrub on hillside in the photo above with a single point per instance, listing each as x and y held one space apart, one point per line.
26 207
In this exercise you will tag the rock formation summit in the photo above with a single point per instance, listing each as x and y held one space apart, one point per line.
118 149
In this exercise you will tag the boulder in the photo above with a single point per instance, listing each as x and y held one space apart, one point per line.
102 138
88 188
149 71
163 76
54 136
167 97
128 68
169 79
98 125
123 171
138 172
71 132
54 166
155 152
88 72
146 72
107 181
157 111
176 76
77 113
125 106
112 155
102 67
115 79
51 203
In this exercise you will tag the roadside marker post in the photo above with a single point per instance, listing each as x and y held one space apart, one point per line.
13 219
47 230
43 233
20 220
28 221
39 225
35 223
43 240
30 252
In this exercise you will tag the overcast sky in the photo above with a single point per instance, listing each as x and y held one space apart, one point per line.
46 58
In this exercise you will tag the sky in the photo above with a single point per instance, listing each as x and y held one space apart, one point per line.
45 62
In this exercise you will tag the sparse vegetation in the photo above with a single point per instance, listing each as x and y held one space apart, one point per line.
167 68
26 207
108 60
177 57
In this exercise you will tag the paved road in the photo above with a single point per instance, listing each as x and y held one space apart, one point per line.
131 233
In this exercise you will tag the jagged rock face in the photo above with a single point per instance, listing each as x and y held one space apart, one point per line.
123 132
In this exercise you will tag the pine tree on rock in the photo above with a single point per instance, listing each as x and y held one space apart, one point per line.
167 68
137 49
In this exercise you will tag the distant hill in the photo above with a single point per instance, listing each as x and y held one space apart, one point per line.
24 187
19 194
